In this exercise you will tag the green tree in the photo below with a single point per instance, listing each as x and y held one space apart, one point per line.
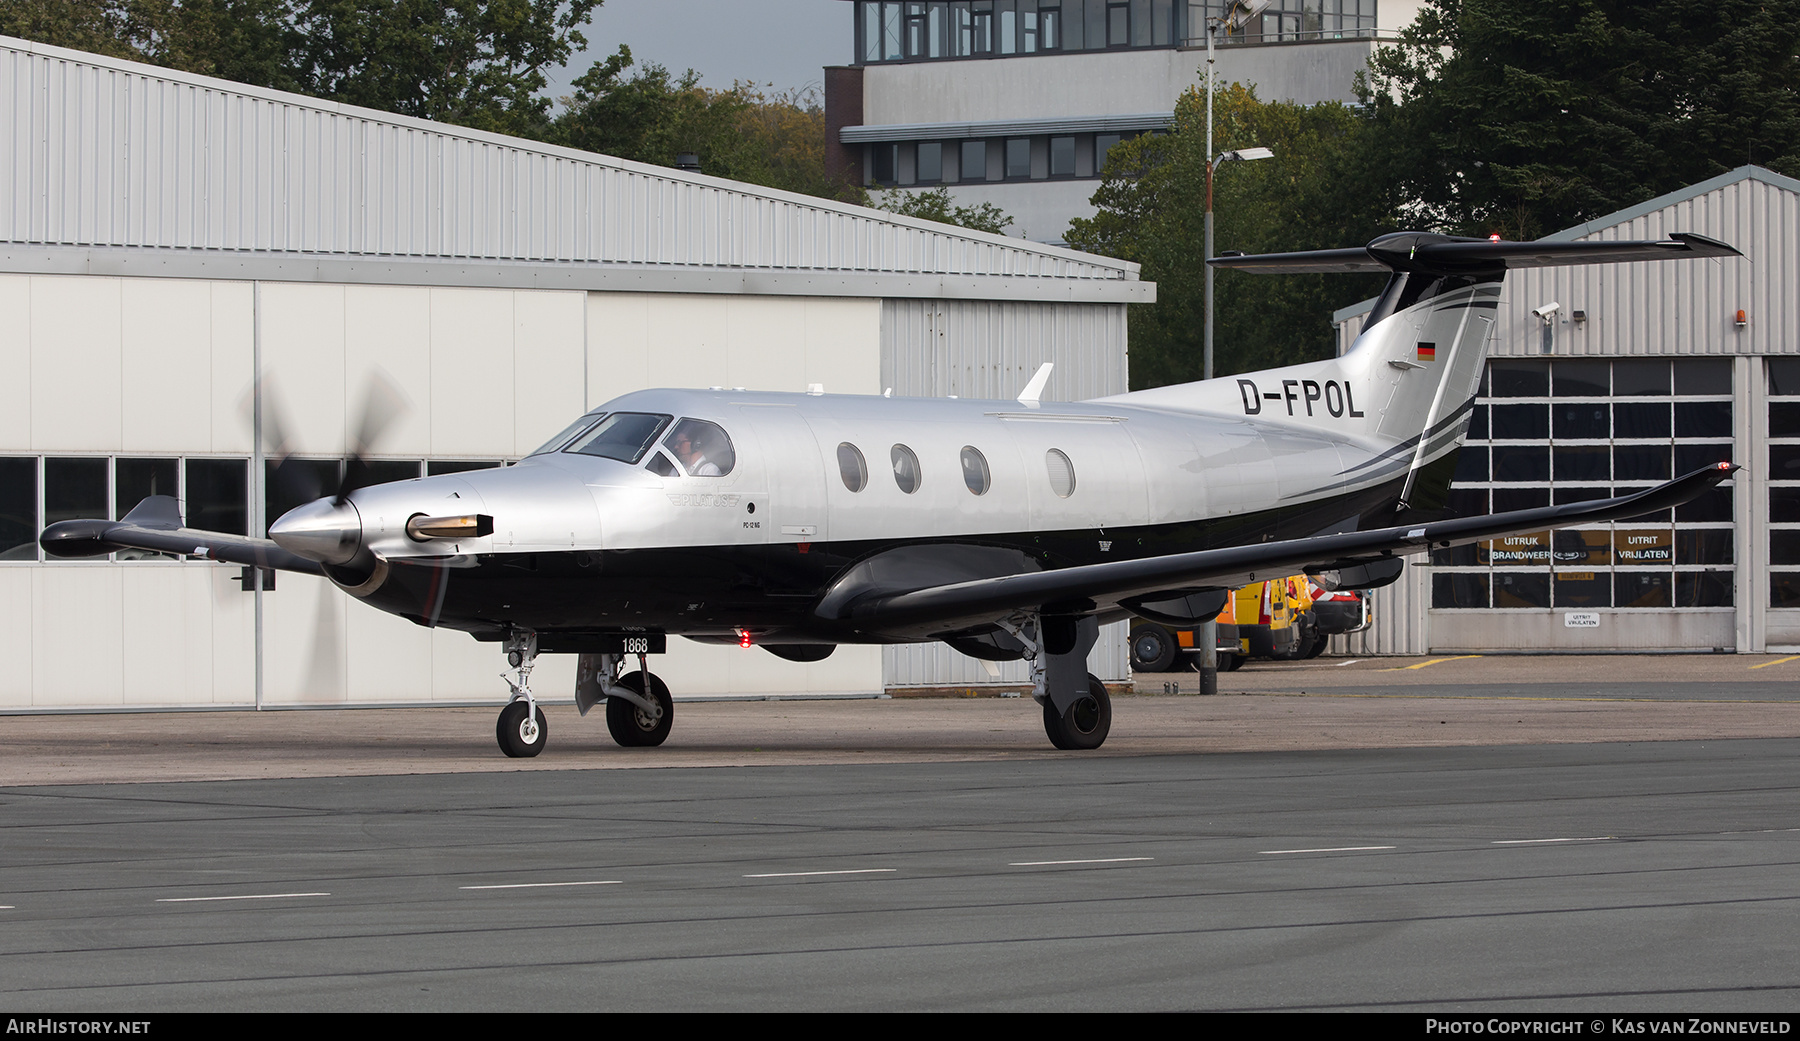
1524 117
938 206
476 63
743 133
1315 193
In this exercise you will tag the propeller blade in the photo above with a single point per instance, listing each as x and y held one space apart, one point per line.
383 405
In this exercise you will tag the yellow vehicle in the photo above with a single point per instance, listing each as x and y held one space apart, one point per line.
1265 619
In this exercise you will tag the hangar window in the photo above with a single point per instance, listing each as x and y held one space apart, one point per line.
624 436
702 448
18 508
975 470
75 488
1062 473
906 468
852 468
1554 431
134 480
218 495
1783 469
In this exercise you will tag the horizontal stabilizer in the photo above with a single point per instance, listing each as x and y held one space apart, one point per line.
960 605
1450 255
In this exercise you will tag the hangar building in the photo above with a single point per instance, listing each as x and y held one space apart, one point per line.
167 241
1645 371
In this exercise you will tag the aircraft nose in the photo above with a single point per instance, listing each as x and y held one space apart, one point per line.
322 530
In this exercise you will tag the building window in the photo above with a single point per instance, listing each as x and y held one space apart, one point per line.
1558 431
1784 481
1288 21
905 30
1018 158
18 508
904 163
930 162
884 163
974 160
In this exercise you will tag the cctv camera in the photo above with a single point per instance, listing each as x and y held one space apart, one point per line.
1547 311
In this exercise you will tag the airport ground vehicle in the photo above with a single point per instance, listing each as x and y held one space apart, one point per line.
1160 648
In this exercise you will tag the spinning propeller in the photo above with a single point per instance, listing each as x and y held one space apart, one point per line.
325 526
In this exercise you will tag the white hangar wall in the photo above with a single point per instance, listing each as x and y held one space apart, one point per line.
157 229
488 374
1732 577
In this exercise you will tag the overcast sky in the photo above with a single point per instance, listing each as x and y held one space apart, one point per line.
783 42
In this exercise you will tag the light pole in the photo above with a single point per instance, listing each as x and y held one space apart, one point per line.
1243 154
1237 15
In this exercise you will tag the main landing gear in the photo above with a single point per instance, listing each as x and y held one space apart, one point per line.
639 710
1077 709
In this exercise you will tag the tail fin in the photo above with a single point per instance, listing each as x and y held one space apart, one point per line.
1406 385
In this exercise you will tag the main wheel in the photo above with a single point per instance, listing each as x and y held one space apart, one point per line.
630 725
1320 642
1152 648
1086 723
521 736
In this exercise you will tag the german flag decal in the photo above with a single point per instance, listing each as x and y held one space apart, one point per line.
1427 351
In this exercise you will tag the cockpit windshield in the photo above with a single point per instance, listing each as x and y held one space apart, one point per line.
624 436
567 435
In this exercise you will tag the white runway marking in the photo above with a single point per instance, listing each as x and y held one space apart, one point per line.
247 896
1539 842
1049 863
804 874
1331 849
546 885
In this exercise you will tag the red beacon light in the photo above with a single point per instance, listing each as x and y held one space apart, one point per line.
743 637
1495 237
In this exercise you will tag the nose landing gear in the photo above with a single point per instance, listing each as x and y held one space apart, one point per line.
521 729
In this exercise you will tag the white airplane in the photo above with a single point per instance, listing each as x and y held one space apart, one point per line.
1006 529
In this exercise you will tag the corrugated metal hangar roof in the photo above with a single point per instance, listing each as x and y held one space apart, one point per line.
120 168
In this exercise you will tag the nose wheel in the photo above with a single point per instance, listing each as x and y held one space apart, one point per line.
521 730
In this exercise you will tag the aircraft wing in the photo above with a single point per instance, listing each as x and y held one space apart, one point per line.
1078 590
155 524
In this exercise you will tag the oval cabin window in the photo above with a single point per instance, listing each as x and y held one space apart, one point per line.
906 469
852 468
1062 473
975 470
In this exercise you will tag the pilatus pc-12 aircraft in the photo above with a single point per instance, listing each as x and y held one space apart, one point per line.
1006 529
